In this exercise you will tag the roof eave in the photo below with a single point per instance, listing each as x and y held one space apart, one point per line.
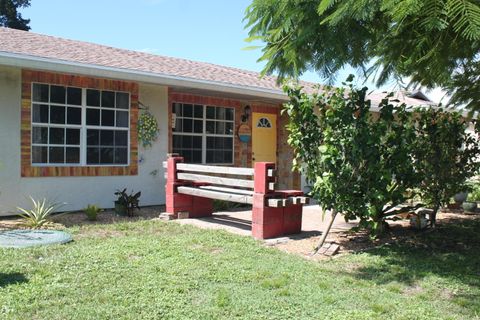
57 65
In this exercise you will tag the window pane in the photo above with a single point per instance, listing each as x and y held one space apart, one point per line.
220 127
197 156
228 143
40 92
187 110
198 111
229 113
187 155
106 138
220 113
40 135
39 154
178 125
210 127
74 116
57 94
121 155
177 109
108 117
187 125
106 155
210 142
40 113
197 142
93 117
122 119
177 141
93 155
228 157
209 156
198 126
218 143
186 142
74 96
73 136
56 155
93 137
108 99
229 128
121 138
57 136
72 155
210 112
57 114
93 98
122 100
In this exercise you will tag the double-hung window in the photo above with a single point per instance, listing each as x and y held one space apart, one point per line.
79 127
203 134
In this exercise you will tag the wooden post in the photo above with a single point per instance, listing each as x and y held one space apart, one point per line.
325 233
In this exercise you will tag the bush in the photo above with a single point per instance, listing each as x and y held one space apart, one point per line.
92 212
39 214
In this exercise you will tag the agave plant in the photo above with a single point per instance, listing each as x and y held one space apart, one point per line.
38 215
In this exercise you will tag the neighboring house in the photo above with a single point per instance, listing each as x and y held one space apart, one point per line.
69 110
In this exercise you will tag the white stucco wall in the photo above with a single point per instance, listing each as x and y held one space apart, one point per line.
76 192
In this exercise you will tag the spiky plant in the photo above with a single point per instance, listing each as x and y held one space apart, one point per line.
39 214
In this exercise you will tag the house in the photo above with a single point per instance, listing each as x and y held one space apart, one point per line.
69 111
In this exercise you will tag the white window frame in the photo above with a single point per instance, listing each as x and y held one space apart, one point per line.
83 127
204 134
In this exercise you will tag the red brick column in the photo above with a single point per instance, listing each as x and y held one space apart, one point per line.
175 202
267 222
292 214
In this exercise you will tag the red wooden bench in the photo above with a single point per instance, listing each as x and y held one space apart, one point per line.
191 188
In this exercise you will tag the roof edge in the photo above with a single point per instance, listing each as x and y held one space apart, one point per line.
58 65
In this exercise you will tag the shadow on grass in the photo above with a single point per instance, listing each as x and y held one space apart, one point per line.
11 278
452 251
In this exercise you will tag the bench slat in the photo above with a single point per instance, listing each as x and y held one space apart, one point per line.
216 195
231 190
215 169
216 180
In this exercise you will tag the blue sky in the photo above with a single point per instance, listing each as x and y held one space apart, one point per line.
201 30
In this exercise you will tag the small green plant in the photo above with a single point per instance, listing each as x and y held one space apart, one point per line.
474 192
39 214
92 212
127 202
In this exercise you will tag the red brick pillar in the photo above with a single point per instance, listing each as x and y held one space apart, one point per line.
175 202
267 222
292 214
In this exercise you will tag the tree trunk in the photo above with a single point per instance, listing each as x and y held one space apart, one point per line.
325 233
433 216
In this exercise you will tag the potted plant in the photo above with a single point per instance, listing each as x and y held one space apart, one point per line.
126 203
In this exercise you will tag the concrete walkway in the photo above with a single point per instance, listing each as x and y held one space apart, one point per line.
240 222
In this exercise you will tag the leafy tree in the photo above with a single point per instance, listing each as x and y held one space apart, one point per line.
359 164
445 155
426 41
10 17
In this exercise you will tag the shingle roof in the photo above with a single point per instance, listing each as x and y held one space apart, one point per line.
38 45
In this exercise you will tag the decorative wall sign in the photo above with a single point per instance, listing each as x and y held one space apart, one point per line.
244 133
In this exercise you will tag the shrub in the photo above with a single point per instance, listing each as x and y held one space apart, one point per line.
92 212
39 214
129 201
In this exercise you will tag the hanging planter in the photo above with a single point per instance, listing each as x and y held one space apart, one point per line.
147 129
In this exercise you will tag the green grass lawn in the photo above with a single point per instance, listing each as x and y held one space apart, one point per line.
153 270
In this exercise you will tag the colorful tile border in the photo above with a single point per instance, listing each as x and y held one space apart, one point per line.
27 170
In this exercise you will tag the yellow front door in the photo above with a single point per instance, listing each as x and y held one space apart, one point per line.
264 137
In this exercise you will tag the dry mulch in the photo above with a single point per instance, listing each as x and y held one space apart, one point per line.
349 242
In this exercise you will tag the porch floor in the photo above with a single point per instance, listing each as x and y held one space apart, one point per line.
240 222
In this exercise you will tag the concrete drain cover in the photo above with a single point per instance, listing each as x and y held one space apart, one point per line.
30 238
